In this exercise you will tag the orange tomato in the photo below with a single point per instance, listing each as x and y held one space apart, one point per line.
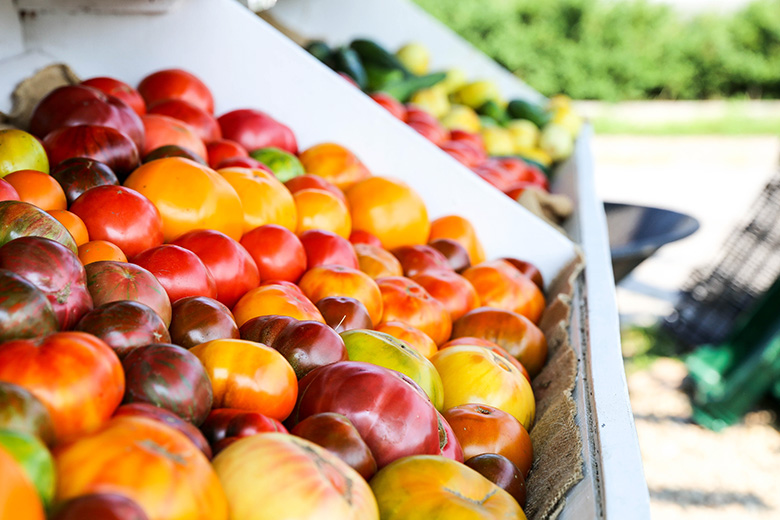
335 164
377 262
513 332
416 338
406 301
189 196
501 286
290 477
249 376
99 250
320 209
460 230
18 496
75 375
147 461
484 429
162 130
38 188
73 224
477 375
275 298
430 487
338 280
389 210
451 289
264 198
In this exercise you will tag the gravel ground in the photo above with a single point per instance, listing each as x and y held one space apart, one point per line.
694 473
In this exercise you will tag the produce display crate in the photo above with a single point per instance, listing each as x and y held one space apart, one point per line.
248 64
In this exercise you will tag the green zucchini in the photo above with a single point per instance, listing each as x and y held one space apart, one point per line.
403 90
379 77
521 109
322 51
373 53
492 110
348 61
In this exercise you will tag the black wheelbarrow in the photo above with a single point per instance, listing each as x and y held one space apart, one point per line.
636 232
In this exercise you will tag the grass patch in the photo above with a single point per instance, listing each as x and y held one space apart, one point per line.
642 346
727 125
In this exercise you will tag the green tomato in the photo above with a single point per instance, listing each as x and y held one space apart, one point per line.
384 350
35 460
284 164
21 151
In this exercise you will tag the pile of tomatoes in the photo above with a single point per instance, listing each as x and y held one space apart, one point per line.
198 320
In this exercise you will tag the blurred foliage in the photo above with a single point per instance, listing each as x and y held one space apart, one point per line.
629 49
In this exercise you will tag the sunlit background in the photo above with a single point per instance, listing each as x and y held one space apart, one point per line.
683 95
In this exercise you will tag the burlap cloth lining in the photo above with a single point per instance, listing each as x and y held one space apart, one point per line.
33 89
556 439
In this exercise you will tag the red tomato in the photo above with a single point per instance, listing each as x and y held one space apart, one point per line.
420 258
80 398
433 132
254 129
7 192
100 143
451 289
406 301
472 138
519 170
308 181
202 122
389 410
232 267
360 236
179 271
176 84
464 152
325 248
485 429
278 253
390 104
73 105
163 130
243 162
222 149
121 216
118 89
105 506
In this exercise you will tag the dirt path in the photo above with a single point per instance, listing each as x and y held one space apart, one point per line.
693 473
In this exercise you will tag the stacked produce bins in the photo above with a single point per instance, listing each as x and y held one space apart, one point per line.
247 63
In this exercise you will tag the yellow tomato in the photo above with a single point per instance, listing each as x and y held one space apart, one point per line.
433 100
429 487
461 117
477 375
275 475
478 93
189 196
415 56
21 151
264 198
498 140
320 209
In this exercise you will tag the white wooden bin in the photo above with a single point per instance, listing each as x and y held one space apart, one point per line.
246 63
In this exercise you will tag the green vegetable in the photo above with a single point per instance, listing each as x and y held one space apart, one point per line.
322 52
492 110
348 62
373 53
545 169
402 90
284 164
521 109
379 77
